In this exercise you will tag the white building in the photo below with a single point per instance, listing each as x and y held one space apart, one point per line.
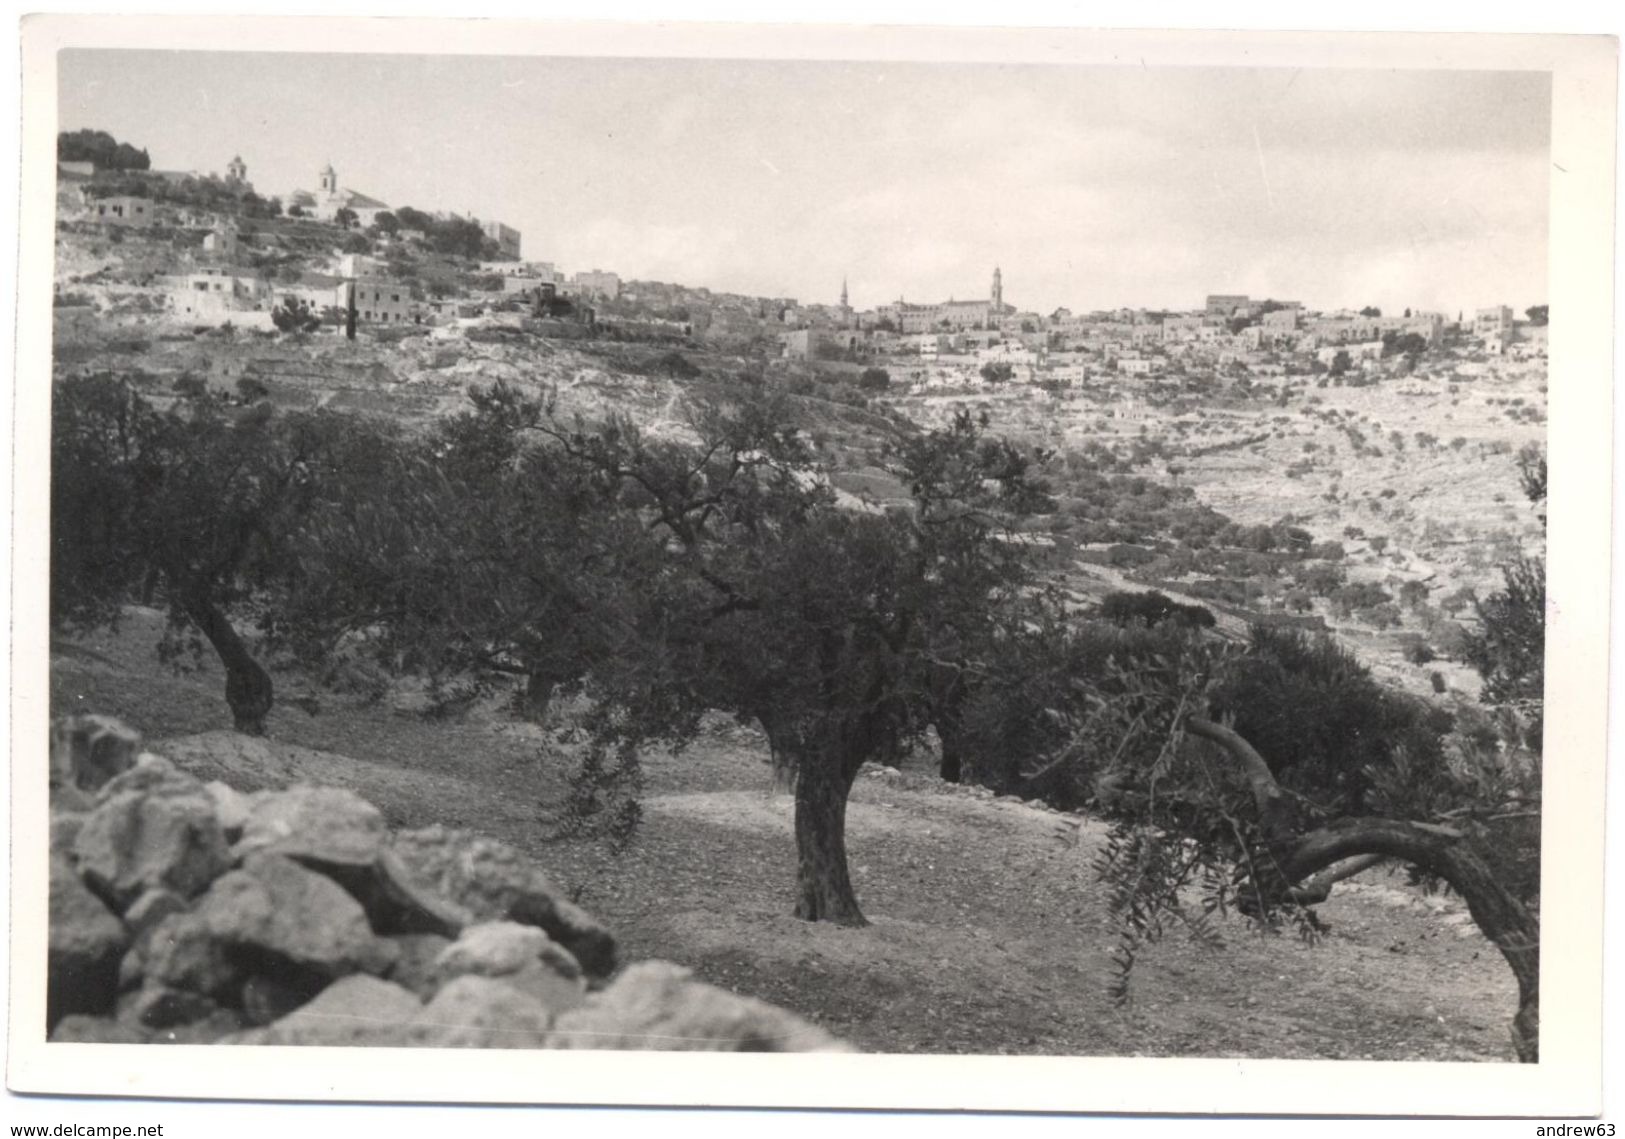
329 198
210 294
125 211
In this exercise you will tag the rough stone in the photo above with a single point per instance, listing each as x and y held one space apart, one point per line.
151 908
321 827
415 961
87 751
555 992
85 944
521 955
658 1006
136 842
151 774
495 882
354 1010
132 968
209 1030
266 998
271 912
182 952
482 1012
494 948
342 836
157 1007
396 903
231 808
65 827
275 906
80 1029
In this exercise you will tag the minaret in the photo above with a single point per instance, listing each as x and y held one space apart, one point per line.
998 290
843 294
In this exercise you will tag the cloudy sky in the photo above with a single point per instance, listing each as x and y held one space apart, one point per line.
1090 186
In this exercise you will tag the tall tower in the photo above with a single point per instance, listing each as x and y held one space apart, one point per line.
844 303
329 180
998 290
237 170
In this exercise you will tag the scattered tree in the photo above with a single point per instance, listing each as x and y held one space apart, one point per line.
295 315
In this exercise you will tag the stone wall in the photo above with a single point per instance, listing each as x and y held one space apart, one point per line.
188 912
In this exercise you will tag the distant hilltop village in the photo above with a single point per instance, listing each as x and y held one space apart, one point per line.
1229 333
244 233
236 257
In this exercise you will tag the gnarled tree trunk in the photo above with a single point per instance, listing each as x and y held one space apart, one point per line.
948 717
533 700
781 753
823 885
1442 852
248 686
1298 857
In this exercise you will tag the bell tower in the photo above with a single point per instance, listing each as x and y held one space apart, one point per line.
237 170
329 180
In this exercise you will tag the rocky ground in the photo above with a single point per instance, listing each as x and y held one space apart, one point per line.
185 912
988 931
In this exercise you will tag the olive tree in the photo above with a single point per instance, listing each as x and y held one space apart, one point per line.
196 501
1263 775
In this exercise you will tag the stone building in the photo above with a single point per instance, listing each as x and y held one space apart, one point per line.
507 239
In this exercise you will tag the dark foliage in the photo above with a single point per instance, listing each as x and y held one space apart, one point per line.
102 149
1153 608
1323 724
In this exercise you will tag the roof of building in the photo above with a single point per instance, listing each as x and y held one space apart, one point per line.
359 201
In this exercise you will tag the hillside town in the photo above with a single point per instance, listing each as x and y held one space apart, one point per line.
231 265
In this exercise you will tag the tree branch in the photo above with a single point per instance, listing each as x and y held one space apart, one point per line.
1267 794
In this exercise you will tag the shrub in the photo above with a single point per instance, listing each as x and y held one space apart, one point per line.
1153 608
1320 720
1125 554
1418 652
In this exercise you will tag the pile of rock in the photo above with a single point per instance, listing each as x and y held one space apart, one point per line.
186 912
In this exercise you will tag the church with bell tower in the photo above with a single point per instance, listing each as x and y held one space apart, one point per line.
329 198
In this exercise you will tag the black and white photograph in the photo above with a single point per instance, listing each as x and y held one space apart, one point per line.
1029 551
